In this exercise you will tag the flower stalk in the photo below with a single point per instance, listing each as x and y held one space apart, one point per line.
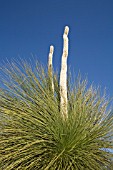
50 67
63 75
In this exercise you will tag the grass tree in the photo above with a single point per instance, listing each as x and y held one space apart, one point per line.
46 126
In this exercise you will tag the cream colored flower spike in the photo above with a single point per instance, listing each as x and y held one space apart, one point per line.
63 75
50 71
50 56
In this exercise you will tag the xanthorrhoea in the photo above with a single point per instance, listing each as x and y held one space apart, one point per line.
38 132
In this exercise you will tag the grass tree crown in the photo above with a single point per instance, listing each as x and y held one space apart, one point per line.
49 123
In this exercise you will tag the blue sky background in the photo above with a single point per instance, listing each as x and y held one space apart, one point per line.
31 26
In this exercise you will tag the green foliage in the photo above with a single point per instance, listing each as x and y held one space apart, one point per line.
33 133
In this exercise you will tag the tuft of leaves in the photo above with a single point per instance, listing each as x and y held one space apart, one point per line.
35 136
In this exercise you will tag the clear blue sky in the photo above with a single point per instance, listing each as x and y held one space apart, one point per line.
31 26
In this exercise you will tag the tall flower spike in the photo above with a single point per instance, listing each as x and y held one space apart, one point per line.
50 71
63 76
